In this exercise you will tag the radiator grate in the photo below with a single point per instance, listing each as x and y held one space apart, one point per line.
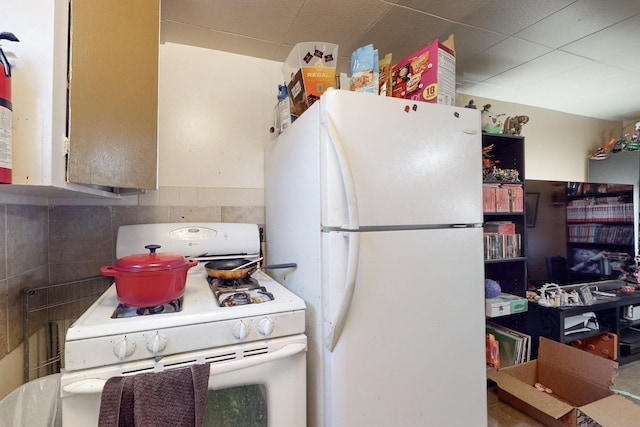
48 311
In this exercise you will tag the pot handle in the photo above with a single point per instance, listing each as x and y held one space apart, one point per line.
192 263
152 248
108 271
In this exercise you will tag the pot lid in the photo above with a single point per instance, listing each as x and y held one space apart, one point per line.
153 261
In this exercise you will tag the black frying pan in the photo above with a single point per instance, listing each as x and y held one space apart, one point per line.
224 268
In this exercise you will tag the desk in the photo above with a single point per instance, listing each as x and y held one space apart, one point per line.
549 321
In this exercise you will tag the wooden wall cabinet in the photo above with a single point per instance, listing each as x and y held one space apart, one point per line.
85 95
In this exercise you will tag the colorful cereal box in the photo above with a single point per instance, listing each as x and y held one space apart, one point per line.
427 75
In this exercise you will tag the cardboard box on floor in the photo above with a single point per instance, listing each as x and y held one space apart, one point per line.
580 382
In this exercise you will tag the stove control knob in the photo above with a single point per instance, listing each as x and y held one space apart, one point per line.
265 326
124 348
241 330
156 343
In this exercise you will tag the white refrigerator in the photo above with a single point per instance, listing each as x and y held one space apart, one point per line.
379 202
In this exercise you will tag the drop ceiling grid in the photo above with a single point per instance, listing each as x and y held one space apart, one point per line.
514 51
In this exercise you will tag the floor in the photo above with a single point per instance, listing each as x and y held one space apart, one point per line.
503 415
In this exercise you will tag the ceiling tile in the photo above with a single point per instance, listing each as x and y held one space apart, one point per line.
578 20
335 21
401 33
592 77
248 18
173 32
509 17
503 16
541 68
612 45
501 57
470 40
453 10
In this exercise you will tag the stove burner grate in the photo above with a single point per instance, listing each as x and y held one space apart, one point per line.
123 310
243 291
233 298
242 283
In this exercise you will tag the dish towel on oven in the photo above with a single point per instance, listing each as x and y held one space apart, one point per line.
174 398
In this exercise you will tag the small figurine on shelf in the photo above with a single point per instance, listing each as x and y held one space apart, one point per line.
490 122
604 152
633 144
513 125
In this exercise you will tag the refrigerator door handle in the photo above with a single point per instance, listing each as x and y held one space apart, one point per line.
335 327
345 171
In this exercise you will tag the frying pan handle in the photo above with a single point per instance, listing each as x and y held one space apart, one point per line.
275 266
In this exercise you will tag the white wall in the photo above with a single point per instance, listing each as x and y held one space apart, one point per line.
556 144
215 111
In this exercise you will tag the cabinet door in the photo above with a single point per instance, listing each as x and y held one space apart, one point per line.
113 93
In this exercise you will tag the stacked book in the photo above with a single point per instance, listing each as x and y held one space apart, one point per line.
501 240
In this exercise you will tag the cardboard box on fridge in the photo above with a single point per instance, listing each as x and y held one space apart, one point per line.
310 69
580 383
427 75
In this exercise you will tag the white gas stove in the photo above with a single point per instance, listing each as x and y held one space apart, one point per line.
98 339
256 351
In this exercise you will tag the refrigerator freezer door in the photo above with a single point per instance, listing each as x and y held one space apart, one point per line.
412 350
409 163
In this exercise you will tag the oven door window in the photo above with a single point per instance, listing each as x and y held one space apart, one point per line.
244 405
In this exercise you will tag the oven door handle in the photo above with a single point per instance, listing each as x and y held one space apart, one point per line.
249 362
95 385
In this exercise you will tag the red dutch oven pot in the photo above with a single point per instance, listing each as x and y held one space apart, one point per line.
147 280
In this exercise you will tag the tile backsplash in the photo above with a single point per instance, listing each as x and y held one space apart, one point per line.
54 244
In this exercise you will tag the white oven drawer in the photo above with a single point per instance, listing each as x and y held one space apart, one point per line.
272 370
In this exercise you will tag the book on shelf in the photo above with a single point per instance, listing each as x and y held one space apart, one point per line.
608 209
601 234
514 347
493 351
502 246
500 227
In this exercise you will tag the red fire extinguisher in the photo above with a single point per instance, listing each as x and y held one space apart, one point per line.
6 110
